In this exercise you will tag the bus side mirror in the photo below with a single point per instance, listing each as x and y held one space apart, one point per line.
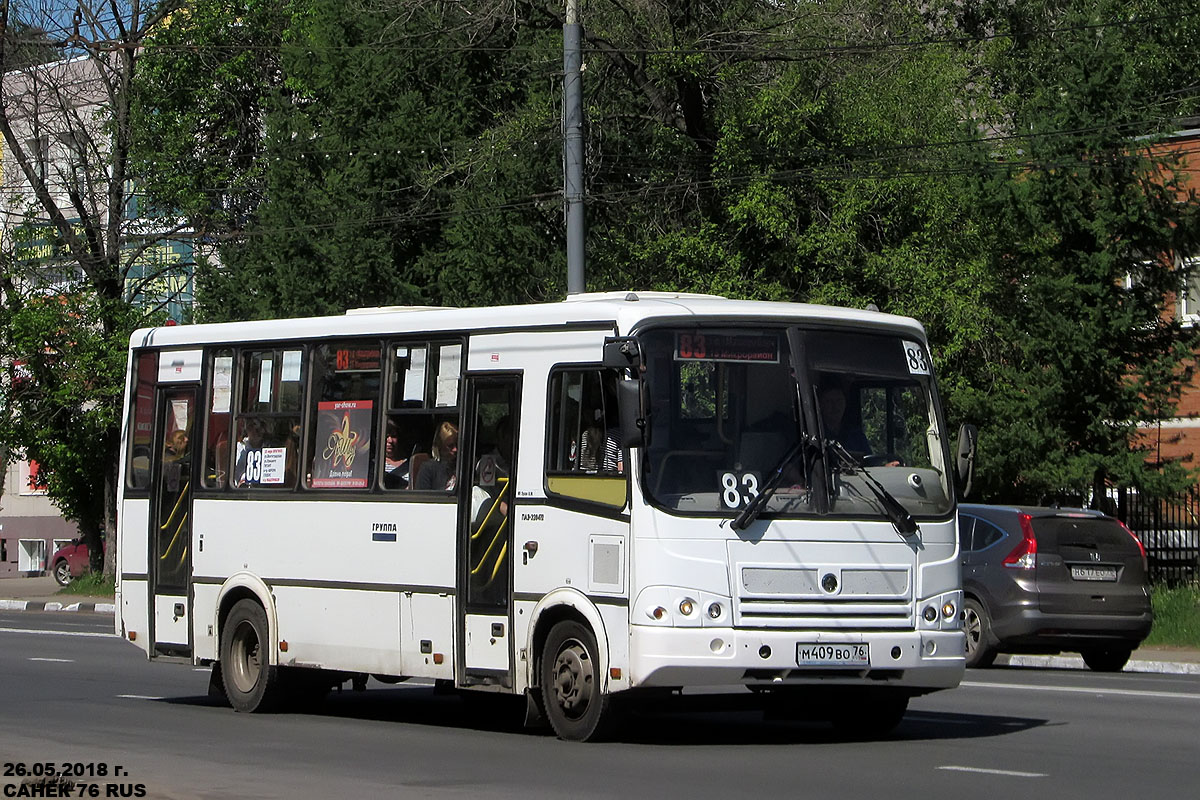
629 407
964 463
622 352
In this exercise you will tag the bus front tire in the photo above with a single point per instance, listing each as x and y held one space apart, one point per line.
576 706
251 683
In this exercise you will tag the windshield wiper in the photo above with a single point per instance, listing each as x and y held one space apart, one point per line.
755 506
903 521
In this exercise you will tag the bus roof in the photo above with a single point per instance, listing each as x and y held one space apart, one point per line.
621 311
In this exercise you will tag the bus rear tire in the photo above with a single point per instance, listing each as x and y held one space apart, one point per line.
576 706
251 683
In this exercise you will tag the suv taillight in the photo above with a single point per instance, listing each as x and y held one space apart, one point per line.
1024 555
1141 547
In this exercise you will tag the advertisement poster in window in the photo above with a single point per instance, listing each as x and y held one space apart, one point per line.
343 452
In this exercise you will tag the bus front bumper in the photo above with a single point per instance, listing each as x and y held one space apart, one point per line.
729 658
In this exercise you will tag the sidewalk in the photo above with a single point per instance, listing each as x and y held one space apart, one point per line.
41 594
1162 660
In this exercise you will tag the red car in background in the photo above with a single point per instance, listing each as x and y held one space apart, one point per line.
69 561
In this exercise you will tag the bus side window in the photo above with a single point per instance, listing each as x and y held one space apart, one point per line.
584 459
422 398
142 425
345 395
217 433
267 429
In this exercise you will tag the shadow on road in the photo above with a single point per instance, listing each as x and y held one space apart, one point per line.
678 722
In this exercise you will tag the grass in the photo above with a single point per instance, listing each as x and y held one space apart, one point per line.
92 584
1176 617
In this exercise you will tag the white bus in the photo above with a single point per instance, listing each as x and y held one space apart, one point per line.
573 502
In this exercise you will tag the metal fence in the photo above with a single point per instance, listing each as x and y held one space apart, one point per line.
1169 528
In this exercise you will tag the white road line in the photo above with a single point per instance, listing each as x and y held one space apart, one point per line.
55 660
139 697
1010 773
61 633
1083 690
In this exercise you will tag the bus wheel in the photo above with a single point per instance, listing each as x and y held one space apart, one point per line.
576 706
251 683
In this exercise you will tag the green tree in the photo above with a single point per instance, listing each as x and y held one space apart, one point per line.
71 266
329 161
1086 221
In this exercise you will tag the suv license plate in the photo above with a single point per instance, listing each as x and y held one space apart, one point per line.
1094 573
810 654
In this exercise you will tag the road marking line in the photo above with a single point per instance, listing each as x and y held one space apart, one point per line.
139 697
60 633
55 660
1008 772
1083 690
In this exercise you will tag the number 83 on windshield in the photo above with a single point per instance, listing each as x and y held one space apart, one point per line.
738 489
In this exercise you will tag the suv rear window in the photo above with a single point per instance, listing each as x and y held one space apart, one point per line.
1088 532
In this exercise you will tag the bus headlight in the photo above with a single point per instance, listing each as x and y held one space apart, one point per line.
686 607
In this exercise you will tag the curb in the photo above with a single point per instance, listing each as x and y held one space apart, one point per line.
31 605
1076 662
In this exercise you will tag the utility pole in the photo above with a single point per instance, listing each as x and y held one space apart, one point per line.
573 146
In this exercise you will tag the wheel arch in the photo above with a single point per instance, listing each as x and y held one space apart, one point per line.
558 606
245 586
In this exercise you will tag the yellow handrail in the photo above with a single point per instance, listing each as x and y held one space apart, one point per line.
175 538
496 569
490 547
495 504
183 496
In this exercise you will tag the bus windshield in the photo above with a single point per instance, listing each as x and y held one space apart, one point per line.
839 414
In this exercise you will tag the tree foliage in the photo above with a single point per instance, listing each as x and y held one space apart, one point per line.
72 266
1087 221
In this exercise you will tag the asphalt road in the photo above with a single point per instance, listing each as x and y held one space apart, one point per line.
73 694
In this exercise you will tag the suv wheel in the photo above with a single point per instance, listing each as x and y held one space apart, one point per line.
978 627
1107 659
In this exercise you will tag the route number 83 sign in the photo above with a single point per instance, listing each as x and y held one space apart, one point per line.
738 488
916 358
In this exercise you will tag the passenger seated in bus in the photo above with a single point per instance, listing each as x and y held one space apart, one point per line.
491 476
395 464
176 445
440 474
600 450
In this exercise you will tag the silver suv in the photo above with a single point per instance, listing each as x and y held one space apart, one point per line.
1044 580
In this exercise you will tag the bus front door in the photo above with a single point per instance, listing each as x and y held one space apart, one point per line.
171 521
486 530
